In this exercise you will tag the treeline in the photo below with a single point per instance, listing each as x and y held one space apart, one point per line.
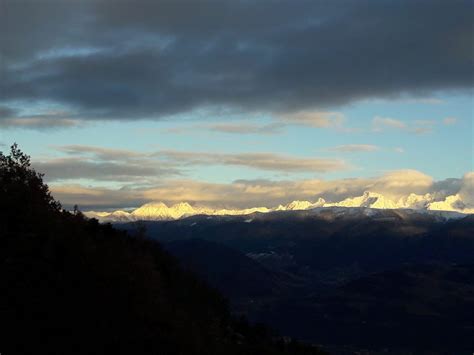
73 286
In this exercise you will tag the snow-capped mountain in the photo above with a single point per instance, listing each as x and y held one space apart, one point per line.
370 200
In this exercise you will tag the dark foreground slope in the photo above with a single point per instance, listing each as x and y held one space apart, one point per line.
388 280
73 286
418 309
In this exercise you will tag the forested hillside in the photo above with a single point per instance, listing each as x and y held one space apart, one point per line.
73 286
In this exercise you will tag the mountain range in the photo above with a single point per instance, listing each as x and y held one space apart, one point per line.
353 280
156 211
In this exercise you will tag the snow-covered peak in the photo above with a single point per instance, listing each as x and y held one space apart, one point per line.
162 211
415 201
301 205
298 205
450 203
369 200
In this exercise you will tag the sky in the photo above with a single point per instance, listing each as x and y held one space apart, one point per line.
239 103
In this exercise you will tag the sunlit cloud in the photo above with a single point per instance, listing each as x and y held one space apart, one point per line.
449 121
260 161
381 124
317 119
101 153
39 123
354 148
262 192
120 165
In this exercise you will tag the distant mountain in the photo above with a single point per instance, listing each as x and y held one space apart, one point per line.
326 238
157 211
349 278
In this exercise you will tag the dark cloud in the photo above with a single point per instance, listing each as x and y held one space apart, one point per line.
80 168
143 59
6 112
12 118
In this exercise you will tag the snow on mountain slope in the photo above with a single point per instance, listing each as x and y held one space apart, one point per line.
162 211
368 199
302 205
450 203
450 207
415 201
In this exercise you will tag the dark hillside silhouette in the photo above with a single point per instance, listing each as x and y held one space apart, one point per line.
73 286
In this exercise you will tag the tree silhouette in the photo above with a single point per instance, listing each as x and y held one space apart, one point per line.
73 286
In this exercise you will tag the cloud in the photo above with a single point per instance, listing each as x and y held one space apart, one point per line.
61 169
380 124
353 148
425 101
122 165
231 128
147 60
101 153
39 123
96 197
449 121
10 118
104 164
246 128
398 182
314 119
467 189
251 193
260 161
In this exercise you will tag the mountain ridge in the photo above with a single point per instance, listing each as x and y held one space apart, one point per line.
448 207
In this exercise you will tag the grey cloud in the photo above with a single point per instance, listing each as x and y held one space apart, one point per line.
90 198
232 128
106 164
39 123
79 168
448 186
142 59
261 161
11 118
315 119
101 153
246 128
6 112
